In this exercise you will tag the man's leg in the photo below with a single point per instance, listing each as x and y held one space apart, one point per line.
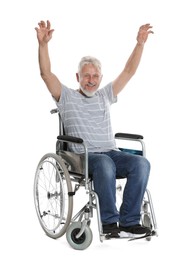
103 171
136 169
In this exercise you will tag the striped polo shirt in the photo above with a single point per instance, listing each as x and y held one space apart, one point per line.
88 118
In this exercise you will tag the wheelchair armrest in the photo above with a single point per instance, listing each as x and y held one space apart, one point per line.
71 139
133 138
128 136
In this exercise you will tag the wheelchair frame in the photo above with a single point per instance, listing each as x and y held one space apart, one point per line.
58 178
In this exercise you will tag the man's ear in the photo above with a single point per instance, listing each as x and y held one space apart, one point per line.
77 76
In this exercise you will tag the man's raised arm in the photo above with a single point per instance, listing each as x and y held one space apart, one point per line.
44 35
133 61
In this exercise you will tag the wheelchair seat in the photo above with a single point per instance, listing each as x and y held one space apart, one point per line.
75 161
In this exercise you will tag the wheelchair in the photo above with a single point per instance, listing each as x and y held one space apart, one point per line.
58 178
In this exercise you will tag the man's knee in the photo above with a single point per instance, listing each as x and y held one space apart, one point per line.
104 166
143 166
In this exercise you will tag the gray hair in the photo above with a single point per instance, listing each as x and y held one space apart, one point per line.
89 60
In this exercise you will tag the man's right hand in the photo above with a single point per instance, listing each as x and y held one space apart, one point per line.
44 32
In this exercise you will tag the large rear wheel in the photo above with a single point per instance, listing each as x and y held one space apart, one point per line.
53 195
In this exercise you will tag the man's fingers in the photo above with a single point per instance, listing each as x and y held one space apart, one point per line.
146 27
41 24
51 32
48 25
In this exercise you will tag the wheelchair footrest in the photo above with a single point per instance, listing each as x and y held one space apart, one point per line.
117 236
153 233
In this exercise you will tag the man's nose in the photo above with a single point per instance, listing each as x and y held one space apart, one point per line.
91 77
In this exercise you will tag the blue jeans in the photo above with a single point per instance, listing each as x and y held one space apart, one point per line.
104 168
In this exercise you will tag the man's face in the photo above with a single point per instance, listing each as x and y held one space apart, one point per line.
89 79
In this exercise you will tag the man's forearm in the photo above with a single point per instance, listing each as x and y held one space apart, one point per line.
134 60
44 61
129 69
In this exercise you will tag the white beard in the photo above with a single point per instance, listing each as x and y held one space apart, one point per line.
87 93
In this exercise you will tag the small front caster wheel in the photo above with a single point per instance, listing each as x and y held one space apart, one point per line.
83 241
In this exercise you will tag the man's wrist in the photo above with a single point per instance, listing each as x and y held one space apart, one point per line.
140 44
43 44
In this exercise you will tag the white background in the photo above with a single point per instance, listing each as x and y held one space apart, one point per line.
155 104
